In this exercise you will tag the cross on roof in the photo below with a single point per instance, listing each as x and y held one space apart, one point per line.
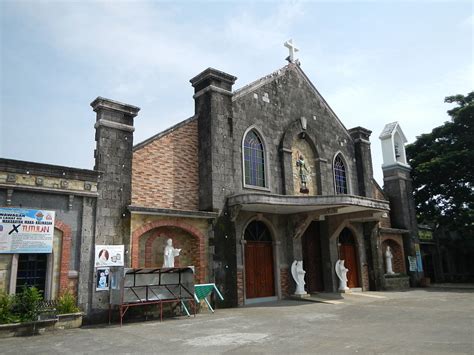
292 49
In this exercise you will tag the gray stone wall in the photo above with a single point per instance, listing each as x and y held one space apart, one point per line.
397 283
290 97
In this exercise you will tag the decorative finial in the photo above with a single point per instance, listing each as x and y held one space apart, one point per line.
292 49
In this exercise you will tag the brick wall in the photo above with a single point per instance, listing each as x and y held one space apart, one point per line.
365 277
285 282
240 287
64 282
165 171
5 270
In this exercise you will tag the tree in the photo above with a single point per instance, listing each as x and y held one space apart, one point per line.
443 170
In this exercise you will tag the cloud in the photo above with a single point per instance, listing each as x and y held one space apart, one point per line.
467 23
419 107
265 33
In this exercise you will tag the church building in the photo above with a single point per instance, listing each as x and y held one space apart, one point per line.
265 175
257 178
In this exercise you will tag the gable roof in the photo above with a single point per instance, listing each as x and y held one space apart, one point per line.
390 129
163 133
279 73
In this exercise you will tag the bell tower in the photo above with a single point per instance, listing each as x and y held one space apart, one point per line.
398 186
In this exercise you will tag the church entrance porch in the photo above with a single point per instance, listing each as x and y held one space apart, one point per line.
304 228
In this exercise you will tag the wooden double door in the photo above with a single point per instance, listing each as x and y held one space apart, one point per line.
259 275
259 271
312 258
348 253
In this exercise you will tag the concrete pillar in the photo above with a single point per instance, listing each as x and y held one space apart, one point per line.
363 155
374 256
113 160
213 106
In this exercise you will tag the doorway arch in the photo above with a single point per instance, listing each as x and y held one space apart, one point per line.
259 268
348 253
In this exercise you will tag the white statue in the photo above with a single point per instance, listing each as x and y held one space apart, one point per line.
169 254
298 275
341 272
388 261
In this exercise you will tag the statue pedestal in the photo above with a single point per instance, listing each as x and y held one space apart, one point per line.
304 295
345 291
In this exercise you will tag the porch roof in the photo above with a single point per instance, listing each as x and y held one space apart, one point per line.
135 209
287 204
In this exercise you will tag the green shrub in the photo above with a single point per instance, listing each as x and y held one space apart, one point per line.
67 304
26 304
6 309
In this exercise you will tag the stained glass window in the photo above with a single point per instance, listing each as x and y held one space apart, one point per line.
254 160
340 176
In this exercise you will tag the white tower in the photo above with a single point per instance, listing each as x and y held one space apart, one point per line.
393 146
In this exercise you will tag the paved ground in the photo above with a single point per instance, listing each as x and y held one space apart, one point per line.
435 321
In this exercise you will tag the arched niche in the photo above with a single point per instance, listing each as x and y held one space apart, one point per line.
297 141
397 252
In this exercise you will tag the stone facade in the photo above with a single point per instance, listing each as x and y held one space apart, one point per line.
300 99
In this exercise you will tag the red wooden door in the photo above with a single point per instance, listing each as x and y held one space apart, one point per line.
259 279
312 258
349 255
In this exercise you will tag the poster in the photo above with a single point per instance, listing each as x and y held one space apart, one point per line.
108 255
26 231
103 274
419 262
412 263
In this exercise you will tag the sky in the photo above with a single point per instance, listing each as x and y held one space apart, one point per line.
374 62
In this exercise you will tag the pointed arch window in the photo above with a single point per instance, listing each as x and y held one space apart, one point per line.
340 175
254 160
257 231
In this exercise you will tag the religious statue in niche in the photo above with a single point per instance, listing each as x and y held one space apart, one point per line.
169 254
388 261
298 275
304 173
341 272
